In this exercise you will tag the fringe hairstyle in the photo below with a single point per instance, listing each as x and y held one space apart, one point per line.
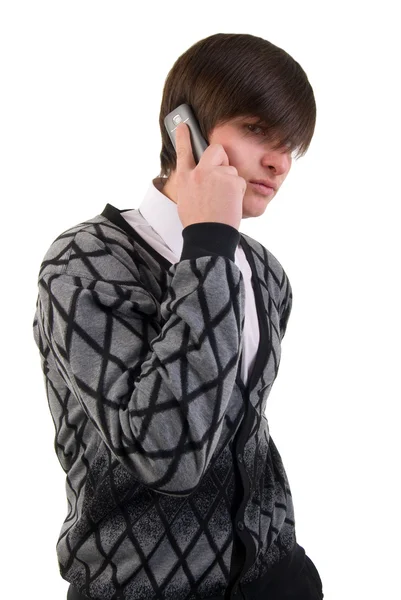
228 75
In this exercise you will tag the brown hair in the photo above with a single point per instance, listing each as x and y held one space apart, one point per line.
227 75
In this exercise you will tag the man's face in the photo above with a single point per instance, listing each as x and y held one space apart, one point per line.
248 150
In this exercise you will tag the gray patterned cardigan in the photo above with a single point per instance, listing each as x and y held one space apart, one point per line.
175 488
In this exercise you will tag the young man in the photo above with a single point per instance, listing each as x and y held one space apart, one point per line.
160 335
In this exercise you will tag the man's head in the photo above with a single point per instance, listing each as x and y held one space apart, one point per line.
250 96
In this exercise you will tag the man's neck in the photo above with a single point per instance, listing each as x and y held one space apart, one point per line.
169 188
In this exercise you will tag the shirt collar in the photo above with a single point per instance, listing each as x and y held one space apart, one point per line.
162 215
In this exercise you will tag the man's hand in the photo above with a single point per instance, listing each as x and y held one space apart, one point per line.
210 191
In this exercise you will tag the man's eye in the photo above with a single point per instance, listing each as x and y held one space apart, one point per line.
251 127
255 126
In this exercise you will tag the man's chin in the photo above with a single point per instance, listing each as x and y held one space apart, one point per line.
254 207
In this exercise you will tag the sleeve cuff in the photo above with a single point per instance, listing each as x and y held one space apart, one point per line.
209 239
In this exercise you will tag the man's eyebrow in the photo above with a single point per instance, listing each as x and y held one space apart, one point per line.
248 118
252 117
259 121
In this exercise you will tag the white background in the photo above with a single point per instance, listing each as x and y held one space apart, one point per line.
81 89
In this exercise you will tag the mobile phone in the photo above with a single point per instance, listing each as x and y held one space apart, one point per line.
185 113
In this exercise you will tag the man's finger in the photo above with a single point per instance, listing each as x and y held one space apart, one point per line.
185 157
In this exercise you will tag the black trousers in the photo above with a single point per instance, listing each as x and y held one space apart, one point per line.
305 585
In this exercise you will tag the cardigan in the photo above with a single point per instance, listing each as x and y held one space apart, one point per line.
157 221
174 485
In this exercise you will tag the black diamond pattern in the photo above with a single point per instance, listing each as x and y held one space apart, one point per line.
141 368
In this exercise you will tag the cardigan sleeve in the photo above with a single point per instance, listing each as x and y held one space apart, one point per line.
285 305
154 380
